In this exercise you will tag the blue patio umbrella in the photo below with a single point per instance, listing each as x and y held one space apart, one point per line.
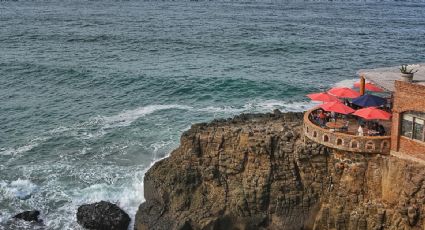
368 100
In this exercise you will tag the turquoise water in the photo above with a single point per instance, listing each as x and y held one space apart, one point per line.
93 92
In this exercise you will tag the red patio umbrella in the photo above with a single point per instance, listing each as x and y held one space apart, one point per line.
344 92
337 107
324 97
371 113
369 86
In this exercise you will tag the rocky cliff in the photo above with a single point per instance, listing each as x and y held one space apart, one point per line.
259 172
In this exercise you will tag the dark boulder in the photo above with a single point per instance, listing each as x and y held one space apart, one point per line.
29 216
102 215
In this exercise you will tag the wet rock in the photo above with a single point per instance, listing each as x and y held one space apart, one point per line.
102 216
29 216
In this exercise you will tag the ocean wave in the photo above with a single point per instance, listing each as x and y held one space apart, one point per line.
23 148
127 196
261 106
20 188
127 117
221 109
97 127
346 83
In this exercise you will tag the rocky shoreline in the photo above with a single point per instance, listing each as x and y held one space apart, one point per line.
257 171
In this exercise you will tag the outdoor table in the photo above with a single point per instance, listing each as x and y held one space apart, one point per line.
371 132
335 124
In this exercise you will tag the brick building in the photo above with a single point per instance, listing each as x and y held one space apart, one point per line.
408 110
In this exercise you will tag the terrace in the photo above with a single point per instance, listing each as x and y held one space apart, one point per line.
350 120
346 139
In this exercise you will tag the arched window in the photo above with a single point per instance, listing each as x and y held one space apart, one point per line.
314 134
354 144
370 145
339 141
385 145
325 138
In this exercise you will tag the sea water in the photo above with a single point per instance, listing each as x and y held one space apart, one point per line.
92 93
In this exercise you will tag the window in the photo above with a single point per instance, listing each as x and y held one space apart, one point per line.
384 145
354 144
370 145
418 129
412 125
407 126
325 138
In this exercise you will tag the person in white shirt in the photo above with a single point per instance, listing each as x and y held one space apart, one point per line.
360 130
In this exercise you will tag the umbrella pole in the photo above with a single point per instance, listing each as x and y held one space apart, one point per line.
362 85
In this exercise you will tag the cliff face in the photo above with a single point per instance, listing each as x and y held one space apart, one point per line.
257 172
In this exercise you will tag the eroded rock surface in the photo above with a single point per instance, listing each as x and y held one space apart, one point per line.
258 172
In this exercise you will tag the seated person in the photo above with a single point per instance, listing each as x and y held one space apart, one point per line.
345 127
381 130
322 118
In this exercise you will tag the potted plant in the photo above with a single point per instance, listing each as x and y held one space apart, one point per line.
407 72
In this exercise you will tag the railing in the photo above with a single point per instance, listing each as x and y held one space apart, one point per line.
344 141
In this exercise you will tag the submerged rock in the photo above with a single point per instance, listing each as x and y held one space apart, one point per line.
29 216
102 216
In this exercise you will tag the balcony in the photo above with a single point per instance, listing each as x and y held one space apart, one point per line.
345 141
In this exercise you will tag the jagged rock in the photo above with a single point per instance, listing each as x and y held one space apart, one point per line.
102 216
413 215
257 171
29 216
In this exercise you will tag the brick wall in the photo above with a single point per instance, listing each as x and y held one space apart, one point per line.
407 97
412 147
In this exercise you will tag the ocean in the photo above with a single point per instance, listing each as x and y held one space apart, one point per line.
92 93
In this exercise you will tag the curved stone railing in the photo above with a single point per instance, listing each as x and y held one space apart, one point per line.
343 141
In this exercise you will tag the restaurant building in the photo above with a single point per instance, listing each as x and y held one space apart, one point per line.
405 136
408 110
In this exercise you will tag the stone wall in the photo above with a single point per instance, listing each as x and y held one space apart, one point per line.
345 142
258 172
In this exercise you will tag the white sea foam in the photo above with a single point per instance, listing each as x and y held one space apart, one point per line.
127 196
24 148
285 106
20 188
260 106
346 83
127 117
221 109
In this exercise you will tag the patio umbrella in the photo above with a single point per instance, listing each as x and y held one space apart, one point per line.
371 113
369 100
369 86
337 107
323 97
344 92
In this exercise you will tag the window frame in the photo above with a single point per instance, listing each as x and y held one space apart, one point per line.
414 128
412 117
